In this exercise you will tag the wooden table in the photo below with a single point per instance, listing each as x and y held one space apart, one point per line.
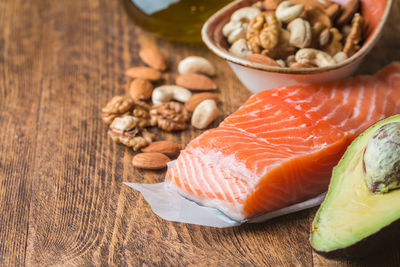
62 201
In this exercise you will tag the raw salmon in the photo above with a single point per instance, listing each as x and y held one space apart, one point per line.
279 147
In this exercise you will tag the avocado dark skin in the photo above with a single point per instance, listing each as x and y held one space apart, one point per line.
371 246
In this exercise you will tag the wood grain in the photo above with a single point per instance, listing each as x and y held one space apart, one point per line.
62 201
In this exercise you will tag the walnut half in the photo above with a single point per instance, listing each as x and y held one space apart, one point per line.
171 116
126 130
263 32
117 106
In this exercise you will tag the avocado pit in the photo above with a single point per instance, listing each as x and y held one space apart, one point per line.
381 161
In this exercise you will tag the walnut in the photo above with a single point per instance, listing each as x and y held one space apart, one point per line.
263 32
115 107
108 118
124 105
142 105
143 115
283 49
170 116
352 44
126 130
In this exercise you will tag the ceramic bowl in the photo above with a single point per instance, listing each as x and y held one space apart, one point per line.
257 77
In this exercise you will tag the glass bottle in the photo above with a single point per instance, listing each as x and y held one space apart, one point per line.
179 20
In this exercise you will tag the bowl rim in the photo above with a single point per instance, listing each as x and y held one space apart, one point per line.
258 66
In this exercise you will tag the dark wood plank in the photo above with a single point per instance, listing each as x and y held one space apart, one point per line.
19 105
77 174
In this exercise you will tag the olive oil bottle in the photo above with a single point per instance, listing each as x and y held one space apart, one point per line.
179 20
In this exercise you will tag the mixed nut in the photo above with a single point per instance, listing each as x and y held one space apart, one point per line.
296 33
172 107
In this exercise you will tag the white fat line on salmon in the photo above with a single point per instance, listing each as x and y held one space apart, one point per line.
277 150
215 163
210 172
388 92
263 142
248 119
184 166
329 115
262 166
262 171
233 130
360 98
288 128
253 113
237 168
285 146
228 188
284 120
194 173
198 171
325 144
255 103
322 103
266 146
275 93
293 93
205 172
371 106
237 192
344 122
337 107
216 172
298 101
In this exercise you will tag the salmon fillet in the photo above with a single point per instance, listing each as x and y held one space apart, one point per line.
280 147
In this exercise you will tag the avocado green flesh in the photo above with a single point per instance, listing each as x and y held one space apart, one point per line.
350 212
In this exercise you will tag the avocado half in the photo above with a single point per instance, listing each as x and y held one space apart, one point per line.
352 221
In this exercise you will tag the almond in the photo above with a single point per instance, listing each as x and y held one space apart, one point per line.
333 11
150 161
196 99
153 58
271 4
144 73
194 81
297 65
258 58
168 148
312 3
140 89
